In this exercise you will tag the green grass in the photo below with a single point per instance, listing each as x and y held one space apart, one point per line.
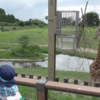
7 46
61 74
29 92
40 36
45 50
22 27
37 35
9 55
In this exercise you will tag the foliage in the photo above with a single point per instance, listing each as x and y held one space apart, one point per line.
34 47
2 11
92 18
37 22
41 25
10 18
26 23
8 24
24 41
11 55
69 20
21 23
30 21
27 48
6 29
17 20
15 24
7 18
30 49
2 24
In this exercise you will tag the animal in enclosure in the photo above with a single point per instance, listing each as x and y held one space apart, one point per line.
14 28
94 74
2 29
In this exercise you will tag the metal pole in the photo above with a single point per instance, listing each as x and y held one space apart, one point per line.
51 38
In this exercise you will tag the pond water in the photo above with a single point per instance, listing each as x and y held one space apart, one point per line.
63 62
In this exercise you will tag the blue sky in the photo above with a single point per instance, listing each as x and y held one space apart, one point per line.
26 9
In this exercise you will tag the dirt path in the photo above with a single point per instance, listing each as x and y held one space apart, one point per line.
87 50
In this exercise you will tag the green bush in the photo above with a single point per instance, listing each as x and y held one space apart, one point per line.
15 24
6 29
10 24
37 53
34 47
6 24
33 25
41 25
27 23
24 41
21 23
2 24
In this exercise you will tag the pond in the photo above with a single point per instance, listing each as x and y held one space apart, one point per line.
63 62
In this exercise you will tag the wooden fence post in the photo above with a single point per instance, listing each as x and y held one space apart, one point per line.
42 93
51 38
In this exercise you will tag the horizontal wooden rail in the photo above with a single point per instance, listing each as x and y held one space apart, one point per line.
25 81
72 88
59 86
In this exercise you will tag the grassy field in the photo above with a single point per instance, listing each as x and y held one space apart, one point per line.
40 36
37 35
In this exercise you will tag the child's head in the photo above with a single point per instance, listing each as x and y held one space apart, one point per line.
7 74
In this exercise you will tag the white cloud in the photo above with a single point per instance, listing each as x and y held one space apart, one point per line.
26 9
89 9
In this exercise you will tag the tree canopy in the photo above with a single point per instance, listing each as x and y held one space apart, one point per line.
6 18
10 18
2 11
92 18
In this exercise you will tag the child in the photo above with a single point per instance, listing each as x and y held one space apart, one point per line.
7 82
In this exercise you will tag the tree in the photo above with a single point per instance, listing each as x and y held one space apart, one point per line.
27 23
12 18
41 25
92 19
17 20
21 23
24 41
67 21
1 19
30 21
2 11
37 22
8 18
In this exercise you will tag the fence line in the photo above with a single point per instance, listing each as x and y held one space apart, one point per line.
58 86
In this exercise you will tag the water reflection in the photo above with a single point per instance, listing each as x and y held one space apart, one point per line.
30 65
63 62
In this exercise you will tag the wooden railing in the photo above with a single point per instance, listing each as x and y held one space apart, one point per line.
58 86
